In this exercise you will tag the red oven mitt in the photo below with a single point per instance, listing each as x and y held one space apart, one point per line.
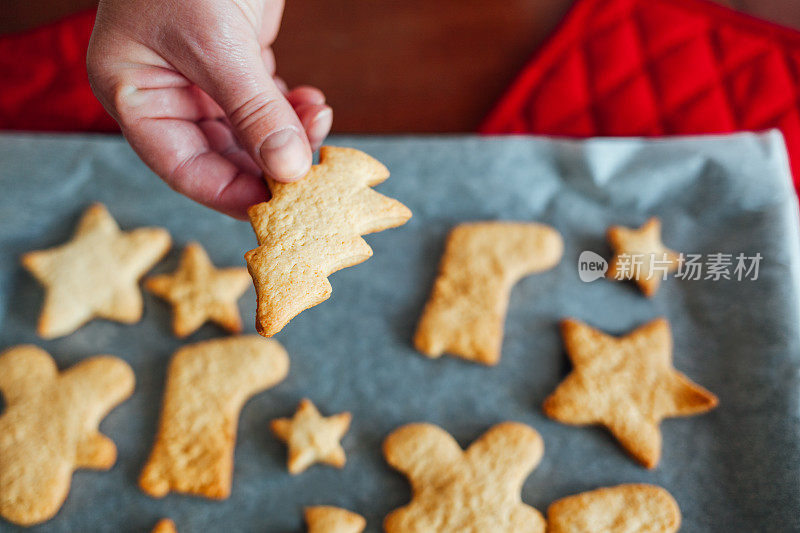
43 83
658 67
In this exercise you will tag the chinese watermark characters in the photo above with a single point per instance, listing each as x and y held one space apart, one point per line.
694 267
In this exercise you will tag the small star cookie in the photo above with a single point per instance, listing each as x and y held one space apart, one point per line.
472 491
465 312
49 427
199 292
640 255
207 385
311 437
311 228
327 519
165 525
633 508
627 384
95 274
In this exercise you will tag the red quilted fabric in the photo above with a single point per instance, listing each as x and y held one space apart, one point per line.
658 67
43 82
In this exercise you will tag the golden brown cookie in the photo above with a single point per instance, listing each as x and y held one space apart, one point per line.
311 228
49 427
472 491
311 437
207 385
627 384
165 525
640 255
199 292
465 312
95 274
327 519
634 508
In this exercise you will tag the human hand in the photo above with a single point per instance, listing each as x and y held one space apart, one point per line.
191 83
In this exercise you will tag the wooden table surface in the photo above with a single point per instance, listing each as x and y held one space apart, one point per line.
402 65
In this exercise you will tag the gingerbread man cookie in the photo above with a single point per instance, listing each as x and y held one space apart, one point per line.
49 427
472 491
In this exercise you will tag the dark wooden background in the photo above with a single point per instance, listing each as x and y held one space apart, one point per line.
402 65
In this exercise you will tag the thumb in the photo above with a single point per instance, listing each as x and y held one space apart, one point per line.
264 121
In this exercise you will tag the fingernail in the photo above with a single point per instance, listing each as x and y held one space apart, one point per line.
322 121
284 155
319 127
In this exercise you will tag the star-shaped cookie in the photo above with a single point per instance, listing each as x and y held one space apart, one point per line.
95 274
327 519
627 384
165 525
640 255
311 437
464 491
200 292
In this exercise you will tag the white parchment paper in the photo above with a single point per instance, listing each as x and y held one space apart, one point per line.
734 469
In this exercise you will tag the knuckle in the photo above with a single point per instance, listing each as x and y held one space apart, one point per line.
251 113
208 43
96 67
93 64
120 98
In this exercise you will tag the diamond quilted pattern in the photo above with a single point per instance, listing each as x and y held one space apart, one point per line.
658 67
568 84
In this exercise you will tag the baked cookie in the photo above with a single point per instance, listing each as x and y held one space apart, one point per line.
165 525
627 384
312 438
311 228
633 508
95 274
472 491
207 385
465 312
640 255
327 519
199 292
49 427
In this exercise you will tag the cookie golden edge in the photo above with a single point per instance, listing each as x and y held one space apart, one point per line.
46 326
283 428
648 286
432 343
159 284
330 519
647 454
157 479
165 525
400 443
560 512
269 324
101 457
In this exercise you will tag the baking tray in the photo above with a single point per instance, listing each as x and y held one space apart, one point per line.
734 469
